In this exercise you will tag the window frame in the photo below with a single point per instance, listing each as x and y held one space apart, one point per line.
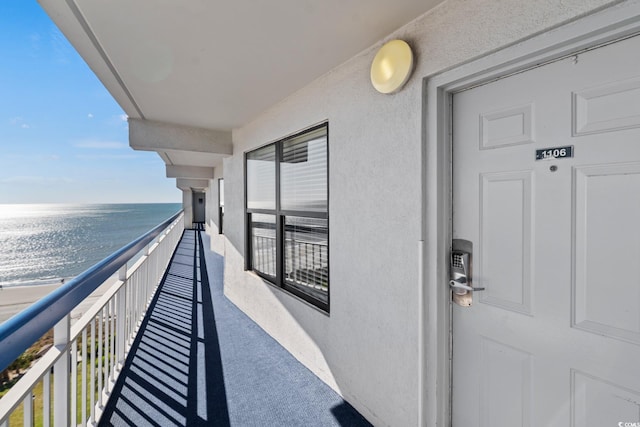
220 206
279 280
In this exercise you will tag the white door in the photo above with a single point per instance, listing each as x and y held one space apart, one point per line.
554 340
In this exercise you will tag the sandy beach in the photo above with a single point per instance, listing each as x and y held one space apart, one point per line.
15 299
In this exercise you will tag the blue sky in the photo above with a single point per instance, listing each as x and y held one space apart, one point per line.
63 139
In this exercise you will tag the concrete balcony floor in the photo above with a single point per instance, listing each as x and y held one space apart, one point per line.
198 360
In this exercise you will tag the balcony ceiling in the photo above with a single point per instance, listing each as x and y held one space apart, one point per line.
217 64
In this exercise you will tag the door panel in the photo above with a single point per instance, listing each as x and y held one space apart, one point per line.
607 206
506 240
554 339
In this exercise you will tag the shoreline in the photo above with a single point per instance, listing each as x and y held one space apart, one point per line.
14 299
35 283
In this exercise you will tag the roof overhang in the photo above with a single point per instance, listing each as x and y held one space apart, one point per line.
196 185
180 145
207 67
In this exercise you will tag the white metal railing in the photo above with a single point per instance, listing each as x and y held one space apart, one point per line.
92 351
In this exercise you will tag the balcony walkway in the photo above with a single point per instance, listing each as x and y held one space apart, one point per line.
198 360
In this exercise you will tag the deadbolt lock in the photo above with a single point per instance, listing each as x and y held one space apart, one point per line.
460 274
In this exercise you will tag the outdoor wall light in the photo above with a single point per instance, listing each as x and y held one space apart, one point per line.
391 66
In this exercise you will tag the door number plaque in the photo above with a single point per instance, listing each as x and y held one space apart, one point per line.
555 153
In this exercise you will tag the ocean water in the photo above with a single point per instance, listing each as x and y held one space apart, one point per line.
43 244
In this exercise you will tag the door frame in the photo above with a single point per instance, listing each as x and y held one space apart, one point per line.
604 26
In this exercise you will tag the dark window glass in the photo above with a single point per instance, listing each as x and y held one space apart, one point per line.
261 178
220 205
221 191
263 243
303 173
306 255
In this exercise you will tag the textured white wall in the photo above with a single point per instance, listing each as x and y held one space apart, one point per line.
211 197
217 240
187 205
367 347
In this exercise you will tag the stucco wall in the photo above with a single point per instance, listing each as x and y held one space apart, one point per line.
187 205
213 224
367 347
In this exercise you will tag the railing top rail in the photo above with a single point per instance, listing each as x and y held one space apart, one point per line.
23 329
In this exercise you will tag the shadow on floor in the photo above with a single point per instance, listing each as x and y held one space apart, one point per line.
199 360
173 375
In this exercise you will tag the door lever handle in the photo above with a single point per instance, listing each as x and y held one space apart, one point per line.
460 284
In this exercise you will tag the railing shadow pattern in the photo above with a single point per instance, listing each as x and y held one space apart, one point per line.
173 375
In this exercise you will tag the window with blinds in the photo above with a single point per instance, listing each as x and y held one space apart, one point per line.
287 212
261 178
303 173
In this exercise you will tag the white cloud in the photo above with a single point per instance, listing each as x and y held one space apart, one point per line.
18 121
35 40
106 156
90 116
61 49
118 120
34 180
101 145
13 158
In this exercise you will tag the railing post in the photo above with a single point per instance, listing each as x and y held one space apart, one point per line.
121 318
46 400
61 334
28 409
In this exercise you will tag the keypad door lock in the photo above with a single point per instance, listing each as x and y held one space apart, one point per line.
460 274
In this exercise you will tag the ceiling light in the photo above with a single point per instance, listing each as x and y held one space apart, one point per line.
391 66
